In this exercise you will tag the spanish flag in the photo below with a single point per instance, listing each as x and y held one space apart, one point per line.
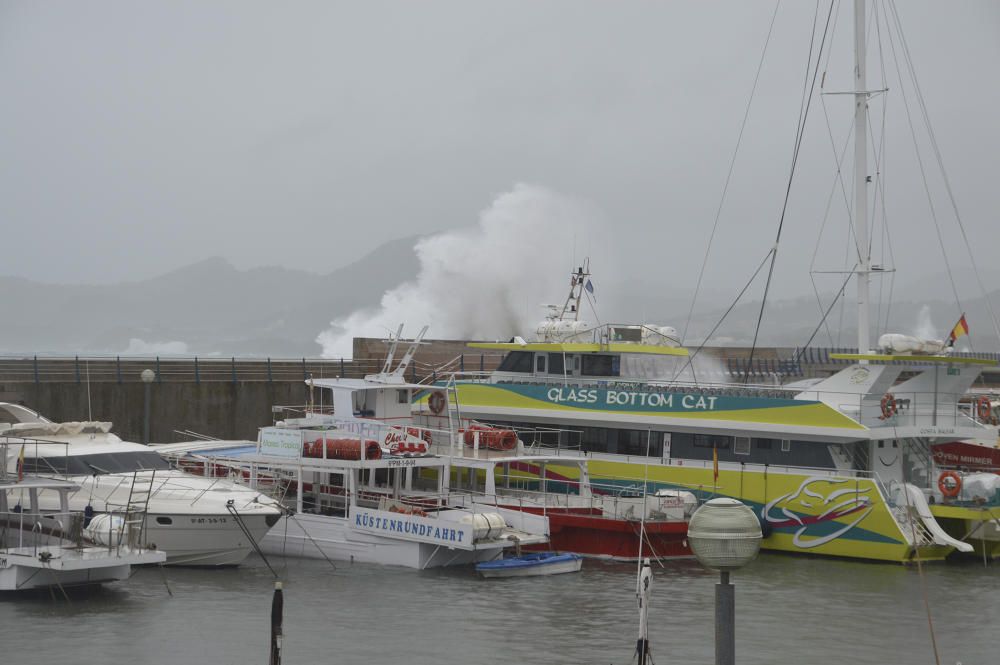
715 464
20 465
961 328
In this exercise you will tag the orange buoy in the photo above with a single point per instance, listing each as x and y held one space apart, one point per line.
346 449
950 484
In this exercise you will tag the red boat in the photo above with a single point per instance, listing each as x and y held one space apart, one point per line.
967 455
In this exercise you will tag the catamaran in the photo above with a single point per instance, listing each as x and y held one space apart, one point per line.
841 466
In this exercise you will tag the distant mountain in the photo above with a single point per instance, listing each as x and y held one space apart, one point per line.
211 307
208 307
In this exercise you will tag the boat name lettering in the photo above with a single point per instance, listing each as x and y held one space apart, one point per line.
402 462
395 525
208 520
631 398
3 562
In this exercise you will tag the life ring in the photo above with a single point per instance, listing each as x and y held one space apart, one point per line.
952 489
889 407
437 402
983 408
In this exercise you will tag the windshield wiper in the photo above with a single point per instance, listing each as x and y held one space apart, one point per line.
96 468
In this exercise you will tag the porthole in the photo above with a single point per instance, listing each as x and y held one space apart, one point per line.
166 521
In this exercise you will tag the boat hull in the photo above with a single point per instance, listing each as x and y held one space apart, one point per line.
328 537
204 540
555 565
593 535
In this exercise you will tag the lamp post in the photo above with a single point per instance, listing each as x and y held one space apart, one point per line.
724 535
148 376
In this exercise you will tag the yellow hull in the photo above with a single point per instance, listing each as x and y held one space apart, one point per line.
800 513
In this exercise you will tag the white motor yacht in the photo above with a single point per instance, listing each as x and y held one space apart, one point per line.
197 521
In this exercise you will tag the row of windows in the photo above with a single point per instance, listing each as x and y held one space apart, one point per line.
555 363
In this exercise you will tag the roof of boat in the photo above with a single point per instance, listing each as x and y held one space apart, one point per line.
584 347
34 482
362 384
889 358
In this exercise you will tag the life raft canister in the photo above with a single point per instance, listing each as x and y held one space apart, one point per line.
436 402
950 484
889 407
983 408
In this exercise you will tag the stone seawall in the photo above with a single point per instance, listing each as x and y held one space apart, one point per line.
220 409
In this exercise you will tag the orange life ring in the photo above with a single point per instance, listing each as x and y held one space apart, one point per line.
889 407
983 408
952 489
436 402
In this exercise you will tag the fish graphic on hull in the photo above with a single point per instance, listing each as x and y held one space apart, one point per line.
818 493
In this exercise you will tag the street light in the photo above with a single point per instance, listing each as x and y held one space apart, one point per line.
724 535
147 376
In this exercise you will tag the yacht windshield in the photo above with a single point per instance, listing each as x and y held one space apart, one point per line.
97 464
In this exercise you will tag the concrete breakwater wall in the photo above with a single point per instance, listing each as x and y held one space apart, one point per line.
223 398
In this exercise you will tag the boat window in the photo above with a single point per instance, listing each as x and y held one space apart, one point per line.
742 445
711 441
162 519
763 444
540 363
98 463
555 363
516 361
786 445
402 396
601 365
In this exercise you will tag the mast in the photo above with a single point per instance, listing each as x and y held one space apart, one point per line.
861 175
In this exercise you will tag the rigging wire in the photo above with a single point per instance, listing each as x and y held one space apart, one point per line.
923 172
940 161
729 174
800 132
732 306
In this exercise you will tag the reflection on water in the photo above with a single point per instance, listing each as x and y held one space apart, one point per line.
789 610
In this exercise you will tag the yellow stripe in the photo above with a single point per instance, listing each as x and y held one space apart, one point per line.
575 347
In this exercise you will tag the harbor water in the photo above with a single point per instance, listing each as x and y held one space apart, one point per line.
789 610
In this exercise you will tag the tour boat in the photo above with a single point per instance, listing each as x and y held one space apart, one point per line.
196 521
530 565
838 466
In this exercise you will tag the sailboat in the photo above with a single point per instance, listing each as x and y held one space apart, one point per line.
841 467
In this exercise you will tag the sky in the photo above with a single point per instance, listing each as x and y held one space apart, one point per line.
139 136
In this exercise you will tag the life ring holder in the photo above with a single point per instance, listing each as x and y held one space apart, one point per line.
984 408
889 406
437 402
953 489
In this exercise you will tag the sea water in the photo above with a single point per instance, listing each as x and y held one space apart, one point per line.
789 610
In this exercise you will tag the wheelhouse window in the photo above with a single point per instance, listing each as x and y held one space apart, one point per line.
555 363
540 363
742 445
516 361
601 365
97 464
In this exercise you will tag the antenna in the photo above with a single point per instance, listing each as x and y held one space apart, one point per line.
392 349
408 356
90 414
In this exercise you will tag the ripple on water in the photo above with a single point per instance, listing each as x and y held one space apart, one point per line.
789 610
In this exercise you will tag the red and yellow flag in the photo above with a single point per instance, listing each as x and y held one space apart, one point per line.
961 328
20 465
715 464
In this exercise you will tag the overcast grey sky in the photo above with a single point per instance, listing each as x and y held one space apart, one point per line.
137 137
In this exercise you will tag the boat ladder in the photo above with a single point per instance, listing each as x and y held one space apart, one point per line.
136 509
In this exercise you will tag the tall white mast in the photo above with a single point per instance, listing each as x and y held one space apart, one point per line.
861 175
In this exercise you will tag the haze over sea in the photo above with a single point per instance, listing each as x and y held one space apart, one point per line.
789 610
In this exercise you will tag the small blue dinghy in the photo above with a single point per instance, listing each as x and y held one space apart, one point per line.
542 563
